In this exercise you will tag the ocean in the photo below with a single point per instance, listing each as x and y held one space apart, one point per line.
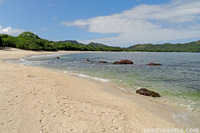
177 80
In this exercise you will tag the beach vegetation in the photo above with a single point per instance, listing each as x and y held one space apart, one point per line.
1 43
31 41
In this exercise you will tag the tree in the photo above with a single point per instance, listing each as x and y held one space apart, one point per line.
1 42
28 34
30 41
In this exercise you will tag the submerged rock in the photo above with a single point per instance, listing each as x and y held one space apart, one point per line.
103 62
123 62
146 92
154 64
87 60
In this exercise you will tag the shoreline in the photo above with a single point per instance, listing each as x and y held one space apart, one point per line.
131 90
122 111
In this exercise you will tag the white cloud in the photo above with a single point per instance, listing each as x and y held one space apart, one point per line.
147 23
50 4
44 29
10 31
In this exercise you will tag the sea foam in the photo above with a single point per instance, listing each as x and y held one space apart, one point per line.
87 76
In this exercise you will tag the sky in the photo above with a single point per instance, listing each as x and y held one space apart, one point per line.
111 22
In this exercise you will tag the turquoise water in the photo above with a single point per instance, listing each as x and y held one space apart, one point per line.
178 79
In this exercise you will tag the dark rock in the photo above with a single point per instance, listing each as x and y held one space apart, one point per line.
58 57
103 62
123 62
154 64
146 92
87 60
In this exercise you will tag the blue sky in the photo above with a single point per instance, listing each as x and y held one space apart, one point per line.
112 22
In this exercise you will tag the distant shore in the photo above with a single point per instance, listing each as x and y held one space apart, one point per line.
39 100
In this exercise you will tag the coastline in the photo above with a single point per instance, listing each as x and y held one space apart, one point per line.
39 100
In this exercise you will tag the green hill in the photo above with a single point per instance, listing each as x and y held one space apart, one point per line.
167 47
31 41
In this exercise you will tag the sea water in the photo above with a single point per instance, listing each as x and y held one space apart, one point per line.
177 79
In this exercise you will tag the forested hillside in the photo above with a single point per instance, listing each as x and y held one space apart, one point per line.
30 41
187 47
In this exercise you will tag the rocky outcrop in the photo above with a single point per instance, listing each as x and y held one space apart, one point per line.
103 62
123 62
146 92
154 64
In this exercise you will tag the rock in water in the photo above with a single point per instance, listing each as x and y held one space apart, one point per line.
58 57
87 60
123 62
103 62
146 92
154 64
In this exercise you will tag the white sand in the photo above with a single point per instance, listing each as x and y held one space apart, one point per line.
34 100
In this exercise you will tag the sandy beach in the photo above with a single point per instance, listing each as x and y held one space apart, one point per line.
34 100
